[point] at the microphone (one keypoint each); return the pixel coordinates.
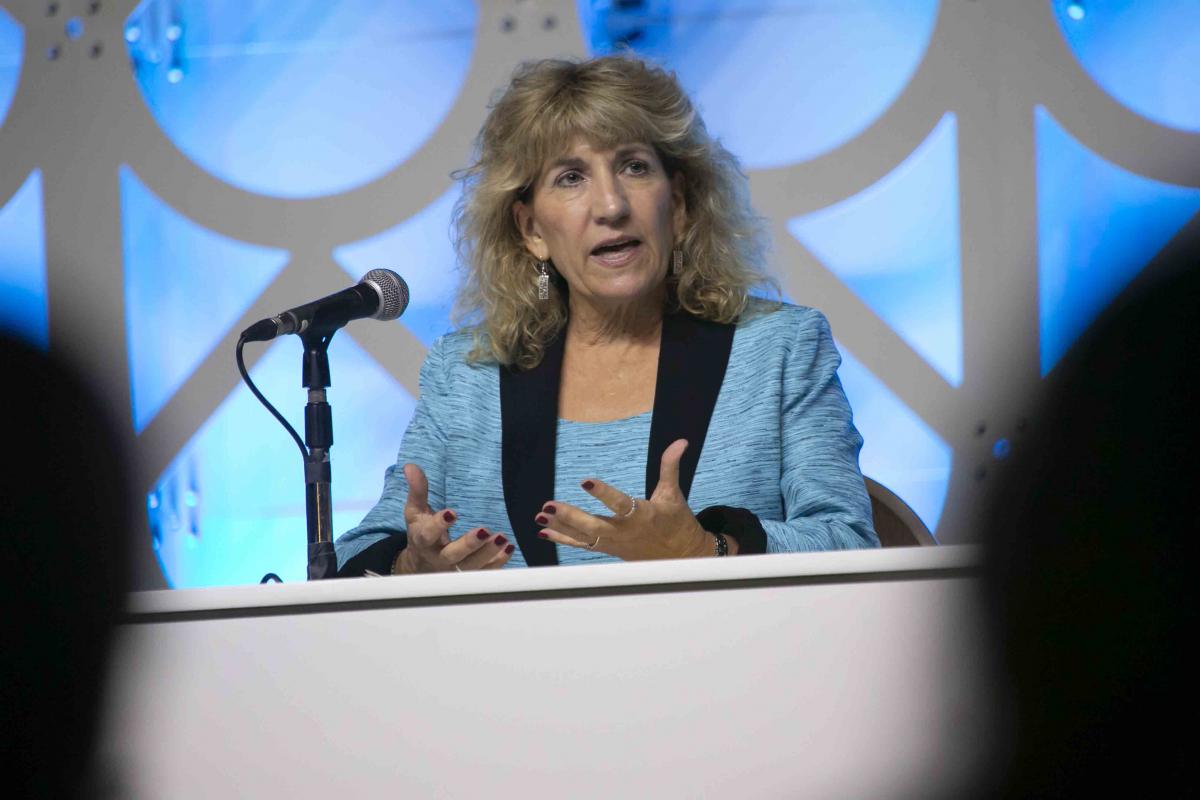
(381, 294)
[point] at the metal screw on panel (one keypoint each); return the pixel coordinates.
(508, 24)
(51, 9)
(53, 52)
(549, 22)
(94, 7)
(980, 428)
(97, 49)
(980, 473)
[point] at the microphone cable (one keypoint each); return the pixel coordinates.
(241, 363)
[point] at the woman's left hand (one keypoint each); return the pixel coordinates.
(661, 527)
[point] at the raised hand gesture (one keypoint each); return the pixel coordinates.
(659, 527)
(429, 546)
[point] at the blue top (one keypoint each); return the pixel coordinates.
(781, 443)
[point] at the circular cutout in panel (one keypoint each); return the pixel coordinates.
(12, 50)
(1144, 54)
(778, 81)
(300, 99)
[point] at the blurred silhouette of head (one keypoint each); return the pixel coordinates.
(1092, 549)
(64, 519)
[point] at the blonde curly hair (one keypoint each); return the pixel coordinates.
(608, 101)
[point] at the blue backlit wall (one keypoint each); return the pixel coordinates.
(300, 99)
(22, 242)
(12, 47)
(23, 264)
(168, 331)
(1098, 226)
(961, 187)
(1142, 52)
(748, 64)
(895, 244)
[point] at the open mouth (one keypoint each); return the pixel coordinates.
(616, 251)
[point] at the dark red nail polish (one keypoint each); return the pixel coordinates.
(483, 534)
(508, 551)
(588, 486)
(448, 516)
(543, 535)
(542, 519)
(550, 509)
(501, 541)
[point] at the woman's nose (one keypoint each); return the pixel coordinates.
(609, 203)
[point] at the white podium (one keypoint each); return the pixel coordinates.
(856, 674)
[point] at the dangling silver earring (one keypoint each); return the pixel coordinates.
(543, 280)
(676, 262)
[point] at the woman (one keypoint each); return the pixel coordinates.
(619, 373)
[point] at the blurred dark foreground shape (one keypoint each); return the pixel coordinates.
(1092, 546)
(64, 522)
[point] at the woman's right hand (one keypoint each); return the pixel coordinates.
(429, 547)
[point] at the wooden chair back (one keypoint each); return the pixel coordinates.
(896, 524)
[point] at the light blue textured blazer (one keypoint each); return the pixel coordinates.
(780, 443)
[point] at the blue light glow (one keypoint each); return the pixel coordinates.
(297, 99)
(12, 51)
(73, 28)
(896, 245)
(246, 477)
(420, 249)
(778, 81)
(184, 287)
(1143, 52)
(23, 264)
(899, 450)
(1098, 226)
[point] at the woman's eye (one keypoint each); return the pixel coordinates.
(638, 167)
(569, 178)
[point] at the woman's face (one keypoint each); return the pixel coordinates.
(608, 220)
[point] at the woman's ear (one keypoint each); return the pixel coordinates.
(679, 200)
(527, 227)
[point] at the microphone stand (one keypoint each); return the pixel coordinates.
(381, 294)
(318, 436)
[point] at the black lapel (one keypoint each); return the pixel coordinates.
(529, 418)
(691, 368)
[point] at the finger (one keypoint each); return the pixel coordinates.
(465, 545)
(430, 530)
(561, 538)
(442, 521)
(614, 499)
(501, 558)
(668, 471)
(572, 521)
(418, 491)
(492, 546)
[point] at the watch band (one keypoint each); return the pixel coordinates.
(722, 546)
(738, 524)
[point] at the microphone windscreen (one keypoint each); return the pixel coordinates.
(393, 293)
